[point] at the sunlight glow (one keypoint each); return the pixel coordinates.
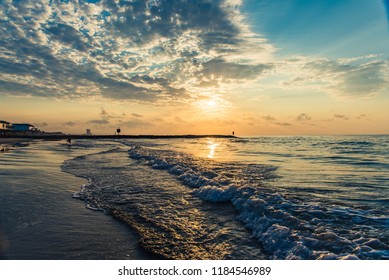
(212, 147)
(212, 105)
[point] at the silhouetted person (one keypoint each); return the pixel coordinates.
(69, 141)
(233, 133)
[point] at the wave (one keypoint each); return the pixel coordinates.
(286, 226)
(171, 222)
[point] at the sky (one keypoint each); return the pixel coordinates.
(256, 67)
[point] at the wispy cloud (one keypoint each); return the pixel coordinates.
(269, 118)
(283, 124)
(343, 117)
(70, 123)
(136, 123)
(99, 122)
(343, 78)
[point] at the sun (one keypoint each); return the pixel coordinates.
(211, 104)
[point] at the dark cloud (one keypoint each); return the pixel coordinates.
(137, 115)
(143, 21)
(219, 68)
(68, 35)
(303, 117)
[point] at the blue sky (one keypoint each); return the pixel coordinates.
(330, 28)
(200, 66)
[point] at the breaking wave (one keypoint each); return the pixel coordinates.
(286, 226)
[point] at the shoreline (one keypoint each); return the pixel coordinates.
(7, 144)
(31, 215)
(13, 138)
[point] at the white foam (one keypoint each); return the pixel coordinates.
(286, 229)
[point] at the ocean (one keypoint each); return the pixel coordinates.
(282, 197)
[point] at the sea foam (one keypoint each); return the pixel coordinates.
(285, 226)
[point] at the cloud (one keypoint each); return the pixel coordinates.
(283, 124)
(219, 68)
(68, 36)
(137, 115)
(71, 124)
(136, 123)
(343, 117)
(99, 122)
(103, 112)
(343, 78)
(268, 118)
(146, 51)
(303, 117)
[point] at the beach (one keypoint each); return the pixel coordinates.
(7, 143)
(41, 220)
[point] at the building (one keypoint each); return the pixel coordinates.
(4, 125)
(22, 127)
(17, 129)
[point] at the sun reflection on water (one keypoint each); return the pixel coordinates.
(212, 147)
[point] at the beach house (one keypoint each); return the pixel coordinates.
(9, 129)
(22, 127)
(4, 125)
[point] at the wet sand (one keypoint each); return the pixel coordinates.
(41, 220)
(11, 141)
(7, 143)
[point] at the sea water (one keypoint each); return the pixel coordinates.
(292, 197)
(286, 197)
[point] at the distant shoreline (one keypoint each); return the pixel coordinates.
(75, 136)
